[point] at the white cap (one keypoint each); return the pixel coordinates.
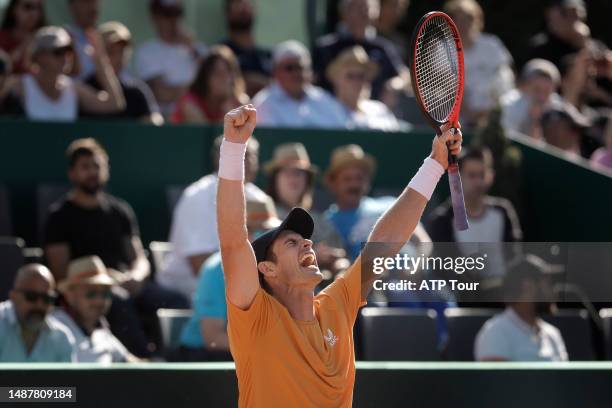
(291, 49)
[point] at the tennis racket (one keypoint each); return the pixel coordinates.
(437, 80)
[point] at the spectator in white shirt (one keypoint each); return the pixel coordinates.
(48, 93)
(169, 62)
(351, 75)
(88, 296)
(488, 64)
(193, 234)
(291, 100)
(84, 20)
(523, 107)
(519, 334)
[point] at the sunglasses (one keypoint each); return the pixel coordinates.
(32, 296)
(293, 67)
(92, 294)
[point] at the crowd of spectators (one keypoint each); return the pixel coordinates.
(355, 78)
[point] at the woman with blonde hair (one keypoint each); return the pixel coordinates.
(218, 88)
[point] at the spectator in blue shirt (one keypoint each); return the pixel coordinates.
(27, 332)
(204, 338)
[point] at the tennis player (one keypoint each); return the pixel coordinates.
(292, 348)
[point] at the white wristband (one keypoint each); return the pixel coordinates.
(231, 160)
(425, 180)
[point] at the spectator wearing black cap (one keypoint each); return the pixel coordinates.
(140, 104)
(357, 28)
(169, 62)
(523, 107)
(21, 20)
(48, 93)
(84, 15)
(519, 333)
(255, 61)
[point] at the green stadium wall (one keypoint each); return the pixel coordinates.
(564, 200)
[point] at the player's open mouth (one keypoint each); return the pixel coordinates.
(308, 259)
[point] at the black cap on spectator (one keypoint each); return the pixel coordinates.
(167, 7)
(298, 220)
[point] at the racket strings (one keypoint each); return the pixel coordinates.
(436, 66)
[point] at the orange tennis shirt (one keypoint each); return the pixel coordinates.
(282, 362)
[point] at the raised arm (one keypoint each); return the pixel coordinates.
(398, 223)
(239, 264)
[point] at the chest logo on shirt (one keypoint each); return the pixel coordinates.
(330, 338)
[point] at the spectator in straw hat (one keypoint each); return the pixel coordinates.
(140, 104)
(351, 75)
(291, 179)
(88, 296)
(354, 213)
(204, 338)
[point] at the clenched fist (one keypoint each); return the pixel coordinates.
(447, 141)
(239, 124)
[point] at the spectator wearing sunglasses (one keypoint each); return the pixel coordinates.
(291, 100)
(21, 20)
(351, 75)
(88, 297)
(48, 93)
(169, 62)
(28, 333)
(84, 15)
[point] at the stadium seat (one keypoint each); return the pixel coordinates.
(173, 194)
(171, 322)
(6, 225)
(47, 194)
(576, 331)
(463, 326)
(394, 334)
(11, 254)
(159, 252)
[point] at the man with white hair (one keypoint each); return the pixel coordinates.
(291, 100)
(27, 332)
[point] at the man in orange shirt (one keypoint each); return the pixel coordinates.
(292, 348)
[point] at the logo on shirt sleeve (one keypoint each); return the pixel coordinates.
(330, 338)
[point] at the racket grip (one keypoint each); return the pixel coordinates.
(456, 190)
